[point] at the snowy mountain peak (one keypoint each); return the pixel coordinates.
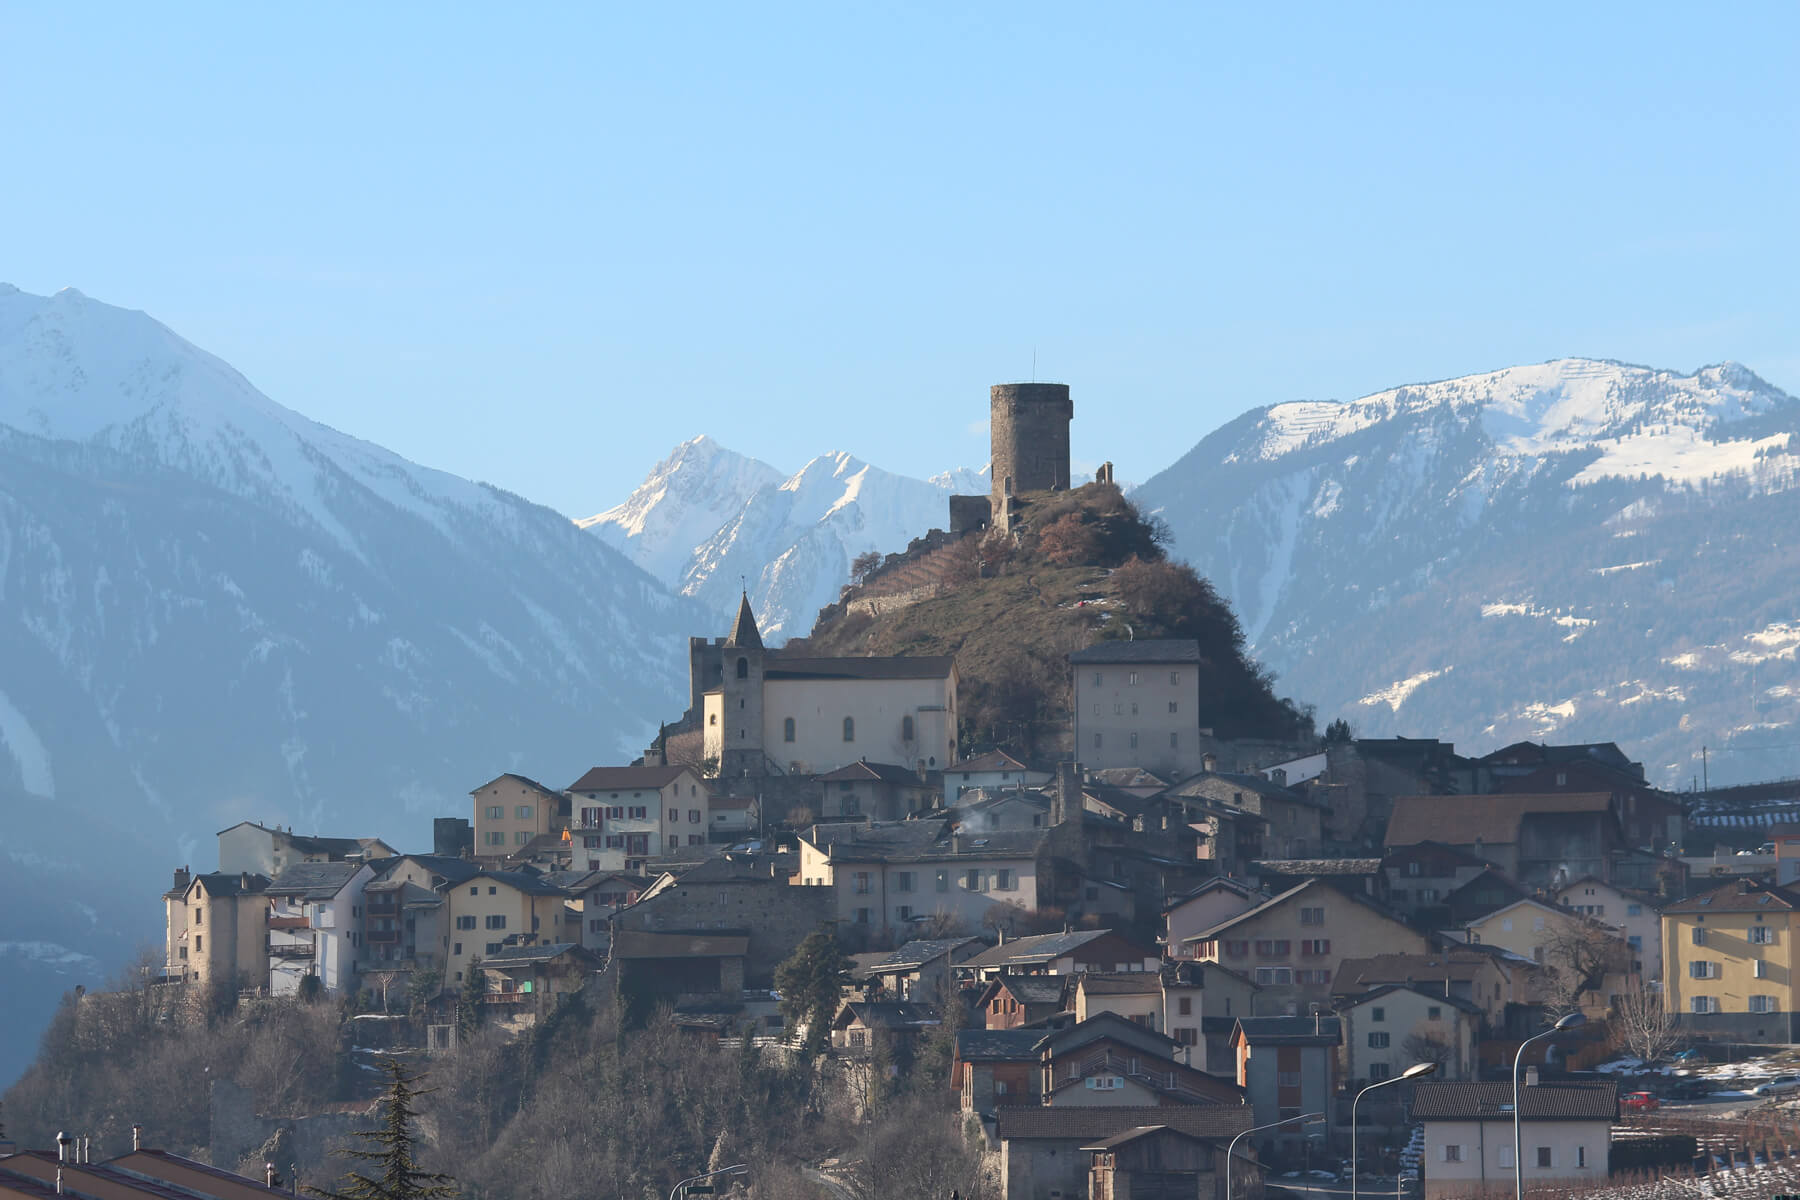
(705, 517)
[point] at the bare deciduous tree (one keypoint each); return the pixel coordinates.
(1643, 1028)
(1579, 953)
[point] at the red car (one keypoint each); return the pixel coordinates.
(1639, 1102)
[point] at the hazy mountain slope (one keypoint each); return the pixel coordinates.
(1528, 552)
(708, 521)
(213, 609)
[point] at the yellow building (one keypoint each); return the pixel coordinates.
(1566, 944)
(1728, 961)
(216, 926)
(511, 809)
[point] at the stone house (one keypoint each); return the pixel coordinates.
(1291, 944)
(1212, 902)
(1152, 1161)
(875, 791)
(1422, 876)
(859, 1023)
(525, 979)
(743, 894)
(402, 925)
(1567, 1134)
(675, 968)
(594, 899)
(1538, 839)
(1296, 821)
(216, 928)
(1137, 704)
(621, 817)
(1009, 1001)
(993, 1068)
(1041, 1155)
(1649, 818)
(315, 924)
(921, 971)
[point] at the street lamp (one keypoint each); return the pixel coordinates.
(1232, 1148)
(737, 1170)
(1416, 1071)
(1568, 1022)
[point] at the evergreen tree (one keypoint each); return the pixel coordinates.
(810, 982)
(398, 1177)
(472, 1001)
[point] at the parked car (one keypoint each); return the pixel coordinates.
(1781, 1085)
(1688, 1089)
(1639, 1102)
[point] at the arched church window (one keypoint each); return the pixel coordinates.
(787, 730)
(849, 729)
(743, 668)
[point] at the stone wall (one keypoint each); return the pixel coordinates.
(1029, 432)
(240, 1135)
(776, 914)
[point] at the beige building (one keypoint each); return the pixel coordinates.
(1291, 945)
(483, 911)
(623, 816)
(1137, 704)
(810, 716)
(1566, 1131)
(892, 877)
(1389, 1028)
(511, 810)
(1547, 935)
(1637, 915)
(270, 850)
(1214, 901)
(1731, 967)
(216, 927)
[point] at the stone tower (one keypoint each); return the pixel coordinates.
(741, 721)
(1029, 428)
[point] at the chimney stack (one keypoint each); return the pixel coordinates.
(63, 1142)
(1531, 1076)
(1209, 762)
(269, 1175)
(137, 1137)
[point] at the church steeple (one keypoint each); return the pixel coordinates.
(744, 634)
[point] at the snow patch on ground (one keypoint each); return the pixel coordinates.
(26, 749)
(1396, 695)
(50, 954)
(1635, 566)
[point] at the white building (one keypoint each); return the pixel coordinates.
(265, 850)
(1567, 1134)
(620, 817)
(993, 772)
(810, 716)
(1137, 704)
(315, 925)
(890, 877)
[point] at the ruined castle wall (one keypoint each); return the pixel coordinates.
(1030, 437)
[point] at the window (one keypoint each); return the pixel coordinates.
(1761, 935)
(1314, 977)
(199, 944)
(693, 816)
(496, 812)
(1236, 949)
(1105, 1083)
(1412, 868)
(712, 718)
(1634, 910)
(1701, 969)
(943, 881)
(1003, 880)
(615, 841)
(465, 922)
(523, 812)
(1506, 1158)
(615, 813)
(1451, 1153)
(1544, 1158)
(1098, 678)
(1762, 1004)
(474, 891)
(1274, 976)
(639, 812)
(849, 729)
(494, 837)
(674, 816)
(1174, 740)
(493, 947)
(972, 880)
(1312, 916)
(1172, 706)
(1762, 969)
(743, 668)
(1316, 946)
(1699, 936)
(1186, 1035)
(787, 729)
(1378, 1041)
(903, 881)
(590, 818)
(1134, 711)
(862, 916)
(1185, 1006)
(695, 839)
(1096, 741)
(906, 729)
(497, 921)
(1635, 942)
(1134, 739)
(1175, 679)
(1287, 1079)
(1703, 1004)
(1434, 1013)
(1581, 1156)
(1378, 1071)
(521, 836)
(904, 912)
(1378, 1014)
(1428, 895)
(862, 883)
(457, 949)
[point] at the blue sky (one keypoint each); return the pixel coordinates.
(541, 247)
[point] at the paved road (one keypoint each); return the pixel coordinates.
(1371, 1188)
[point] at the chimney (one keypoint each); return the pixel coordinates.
(183, 877)
(63, 1142)
(1531, 1076)
(1209, 762)
(1065, 803)
(137, 1137)
(269, 1175)
(59, 1190)
(1744, 887)
(1278, 776)
(244, 881)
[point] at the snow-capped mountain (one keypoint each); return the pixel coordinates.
(213, 609)
(1580, 550)
(708, 521)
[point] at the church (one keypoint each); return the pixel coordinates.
(765, 713)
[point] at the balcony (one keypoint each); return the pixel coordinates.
(377, 908)
(379, 937)
(289, 923)
(291, 950)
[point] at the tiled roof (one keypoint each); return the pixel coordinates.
(1196, 786)
(1356, 975)
(1032, 989)
(888, 1014)
(523, 956)
(1330, 892)
(901, 667)
(864, 769)
(1089, 1123)
(1742, 896)
(1565, 1101)
(614, 779)
(919, 952)
(1436, 996)
(1493, 819)
(527, 780)
(1399, 856)
(531, 885)
(1290, 1031)
(993, 760)
(1038, 948)
(1131, 983)
(313, 881)
(1127, 777)
(1129, 1136)
(920, 841)
(231, 883)
(744, 634)
(1315, 867)
(453, 870)
(998, 1045)
(1146, 650)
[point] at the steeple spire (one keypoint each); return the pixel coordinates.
(744, 634)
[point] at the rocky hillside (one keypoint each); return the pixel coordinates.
(212, 609)
(707, 521)
(1086, 567)
(1578, 550)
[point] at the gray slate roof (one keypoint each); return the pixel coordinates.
(1562, 1101)
(313, 881)
(1290, 1031)
(1147, 650)
(917, 953)
(998, 1045)
(1038, 948)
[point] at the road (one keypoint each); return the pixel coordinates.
(1371, 1187)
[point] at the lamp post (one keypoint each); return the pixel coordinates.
(1232, 1148)
(1570, 1021)
(1416, 1071)
(739, 1169)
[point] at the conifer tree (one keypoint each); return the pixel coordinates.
(810, 983)
(471, 1002)
(397, 1176)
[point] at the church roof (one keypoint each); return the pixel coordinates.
(744, 634)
